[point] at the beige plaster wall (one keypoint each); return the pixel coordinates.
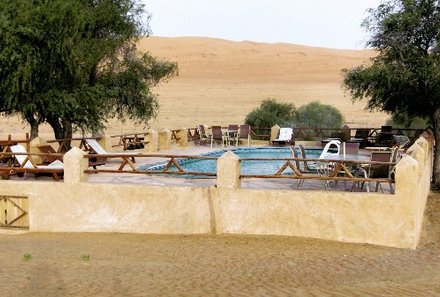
(384, 219)
(61, 207)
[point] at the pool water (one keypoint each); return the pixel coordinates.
(247, 166)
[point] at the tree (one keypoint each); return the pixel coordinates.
(272, 113)
(404, 77)
(74, 64)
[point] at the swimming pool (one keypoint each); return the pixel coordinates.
(247, 166)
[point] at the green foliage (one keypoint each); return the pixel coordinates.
(313, 115)
(402, 120)
(74, 64)
(85, 257)
(404, 77)
(317, 115)
(27, 256)
(272, 113)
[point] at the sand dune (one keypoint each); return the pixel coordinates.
(221, 81)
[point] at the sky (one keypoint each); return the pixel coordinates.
(322, 23)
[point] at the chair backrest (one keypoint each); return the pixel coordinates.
(95, 146)
(201, 131)
(245, 130)
(325, 151)
(233, 127)
(21, 158)
(362, 133)
(217, 132)
(285, 134)
(295, 155)
(351, 148)
(380, 170)
(386, 129)
(48, 149)
(386, 133)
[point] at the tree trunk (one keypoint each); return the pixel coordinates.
(436, 122)
(34, 125)
(34, 129)
(63, 129)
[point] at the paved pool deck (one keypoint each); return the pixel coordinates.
(173, 180)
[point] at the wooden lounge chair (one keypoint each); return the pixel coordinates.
(27, 165)
(51, 154)
(284, 137)
(50, 157)
(93, 146)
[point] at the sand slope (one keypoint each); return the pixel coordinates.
(221, 81)
(154, 265)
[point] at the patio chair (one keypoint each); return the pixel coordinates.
(217, 135)
(27, 165)
(351, 148)
(303, 167)
(402, 141)
(232, 134)
(378, 170)
(361, 136)
(203, 137)
(326, 150)
(385, 136)
(284, 137)
(308, 166)
(245, 133)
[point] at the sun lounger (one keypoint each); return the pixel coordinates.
(26, 164)
(284, 137)
(94, 147)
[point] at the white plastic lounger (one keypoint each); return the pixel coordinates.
(285, 136)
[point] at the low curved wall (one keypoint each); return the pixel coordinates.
(384, 219)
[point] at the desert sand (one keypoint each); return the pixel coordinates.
(87, 264)
(221, 81)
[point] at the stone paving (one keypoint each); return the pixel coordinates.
(172, 180)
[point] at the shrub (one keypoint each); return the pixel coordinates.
(317, 115)
(272, 113)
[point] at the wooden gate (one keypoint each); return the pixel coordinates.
(14, 212)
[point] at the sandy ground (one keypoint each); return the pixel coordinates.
(221, 81)
(151, 265)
